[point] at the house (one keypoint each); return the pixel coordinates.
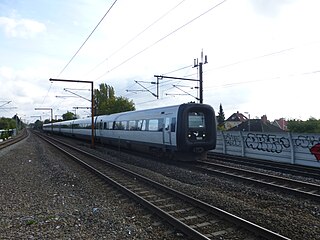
(281, 123)
(234, 120)
(257, 125)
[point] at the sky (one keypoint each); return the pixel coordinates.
(263, 55)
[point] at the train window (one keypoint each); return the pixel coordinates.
(173, 124)
(104, 125)
(125, 125)
(119, 126)
(196, 120)
(132, 125)
(153, 125)
(109, 125)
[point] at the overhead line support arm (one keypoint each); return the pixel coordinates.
(92, 103)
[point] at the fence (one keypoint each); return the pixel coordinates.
(302, 149)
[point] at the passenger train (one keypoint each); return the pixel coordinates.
(183, 132)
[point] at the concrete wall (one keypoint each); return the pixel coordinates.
(302, 149)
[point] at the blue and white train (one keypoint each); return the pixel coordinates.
(184, 132)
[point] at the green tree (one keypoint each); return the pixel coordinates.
(312, 125)
(220, 117)
(38, 124)
(7, 123)
(107, 103)
(68, 116)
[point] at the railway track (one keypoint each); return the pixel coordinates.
(298, 170)
(196, 219)
(14, 140)
(299, 188)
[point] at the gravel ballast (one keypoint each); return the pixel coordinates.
(49, 196)
(44, 195)
(289, 215)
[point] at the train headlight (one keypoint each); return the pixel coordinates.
(189, 135)
(204, 135)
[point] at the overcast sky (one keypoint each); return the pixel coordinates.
(263, 55)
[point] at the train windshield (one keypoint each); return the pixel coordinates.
(196, 120)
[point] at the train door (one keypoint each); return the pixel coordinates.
(167, 132)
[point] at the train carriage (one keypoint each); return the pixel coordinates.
(185, 131)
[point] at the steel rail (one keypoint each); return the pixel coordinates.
(14, 140)
(303, 171)
(300, 188)
(188, 230)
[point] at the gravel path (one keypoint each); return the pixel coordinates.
(46, 196)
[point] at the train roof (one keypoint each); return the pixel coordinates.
(135, 114)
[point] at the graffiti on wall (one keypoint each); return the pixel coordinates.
(232, 140)
(310, 142)
(306, 141)
(266, 142)
(315, 150)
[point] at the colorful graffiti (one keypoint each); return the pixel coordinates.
(266, 142)
(310, 142)
(315, 150)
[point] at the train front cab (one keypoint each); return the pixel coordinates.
(196, 131)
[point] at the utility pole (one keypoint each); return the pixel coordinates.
(92, 103)
(36, 117)
(45, 108)
(199, 64)
(51, 115)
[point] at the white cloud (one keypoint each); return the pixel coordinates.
(21, 28)
(270, 8)
(6, 72)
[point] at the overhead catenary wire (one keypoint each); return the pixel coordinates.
(161, 39)
(87, 38)
(79, 49)
(179, 69)
(136, 36)
(265, 79)
(163, 82)
(117, 49)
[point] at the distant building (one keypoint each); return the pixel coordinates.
(234, 120)
(281, 123)
(257, 125)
